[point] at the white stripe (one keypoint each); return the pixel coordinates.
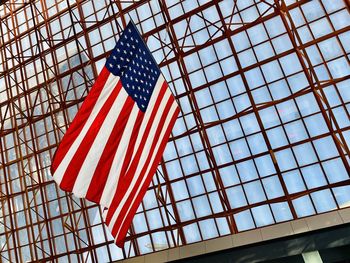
(114, 173)
(145, 152)
(111, 185)
(92, 159)
(148, 113)
(166, 124)
(105, 93)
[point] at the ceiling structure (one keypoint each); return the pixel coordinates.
(263, 136)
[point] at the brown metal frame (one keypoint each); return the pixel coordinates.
(42, 94)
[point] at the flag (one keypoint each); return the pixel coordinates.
(112, 149)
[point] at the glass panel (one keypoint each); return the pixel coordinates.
(259, 130)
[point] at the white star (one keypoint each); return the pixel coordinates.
(135, 95)
(132, 39)
(121, 43)
(118, 66)
(144, 52)
(128, 45)
(133, 46)
(133, 87)
(111, 65)
(138, 88)
(118, 50)
(127, 60)
(124, 51)
(136, 80)
(129, 30)
(137, 41)
(114, 57)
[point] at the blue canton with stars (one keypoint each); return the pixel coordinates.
(133, 63)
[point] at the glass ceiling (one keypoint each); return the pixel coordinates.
(263, 136)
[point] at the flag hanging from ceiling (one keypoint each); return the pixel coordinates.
(112, 149)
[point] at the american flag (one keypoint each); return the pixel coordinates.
(112, 149)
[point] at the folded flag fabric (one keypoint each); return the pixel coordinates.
(112, 149)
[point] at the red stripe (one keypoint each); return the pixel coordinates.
(133, 166)
(120, 239)
(80, 119)
(131, 148)
(74, 166)
(128, 175)
(101, 173)
(153, 144)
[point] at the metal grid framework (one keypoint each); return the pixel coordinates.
(263, 136)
